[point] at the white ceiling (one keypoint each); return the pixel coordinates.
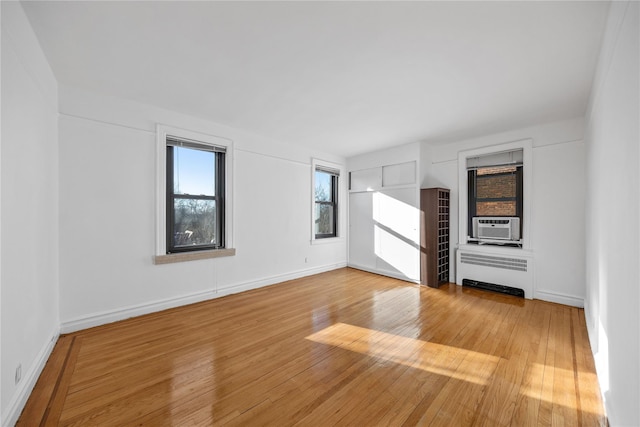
(344, 77)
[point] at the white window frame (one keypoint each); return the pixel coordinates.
(162, 132)
(341, 202)
(527, 168)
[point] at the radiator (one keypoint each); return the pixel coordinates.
(502, 266)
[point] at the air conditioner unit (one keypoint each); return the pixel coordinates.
(496, 228)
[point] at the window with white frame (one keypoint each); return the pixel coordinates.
(194, 194)
(497, 194)
(325, 209)
(495, 187)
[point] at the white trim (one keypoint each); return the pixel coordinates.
(382, 189)
(328, 240)
(20, 397)
(162, 131)
(340, 232)
(559, 298)
(383, 273)
(241, 287)
(527, 183)
(193, 256)
(110, 316)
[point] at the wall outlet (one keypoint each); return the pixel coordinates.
(306, 260)
(18, 373)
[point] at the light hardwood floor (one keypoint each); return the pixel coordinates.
(340, 348)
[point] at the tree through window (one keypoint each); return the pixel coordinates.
(326, 203)
(195, 196)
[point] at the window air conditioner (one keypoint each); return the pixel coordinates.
(496, 228)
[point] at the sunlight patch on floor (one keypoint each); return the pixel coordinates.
(435, 358)
(554, 385)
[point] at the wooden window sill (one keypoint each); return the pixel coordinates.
(192, 256)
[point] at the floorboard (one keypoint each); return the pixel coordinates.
(344, 347)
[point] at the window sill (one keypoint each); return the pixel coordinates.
(192, 256)
(327, 240)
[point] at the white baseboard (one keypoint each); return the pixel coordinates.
(559, 298)
(19, 399)
(246, 286)
(383, 273)
(110, 316)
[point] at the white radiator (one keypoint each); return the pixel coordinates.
(502, 266)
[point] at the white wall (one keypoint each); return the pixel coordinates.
(29, 213)
(612, 223)
(384, 217)
(107, 202)
(557, 209)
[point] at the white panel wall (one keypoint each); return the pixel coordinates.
(384, 212)
(557, 217)
(557, 222)
(612, 223)
(29, 218)
(107, 190)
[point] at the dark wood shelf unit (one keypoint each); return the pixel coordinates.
(434, 236)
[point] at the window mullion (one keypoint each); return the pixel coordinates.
(193, 197)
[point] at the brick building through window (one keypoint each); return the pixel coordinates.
(495, 186)
(496, 191)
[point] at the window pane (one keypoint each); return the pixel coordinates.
(496, 186)
(324, 219)
(507, 208)
(194, 222)
(324, 191)
(193, 171)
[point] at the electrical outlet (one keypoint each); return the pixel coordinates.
(18, 373)
(306, 260)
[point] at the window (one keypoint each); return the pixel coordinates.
(194, 215)
(326, 202)
(495, 186)
(495, 191)
(491, 179)
(195, 196)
